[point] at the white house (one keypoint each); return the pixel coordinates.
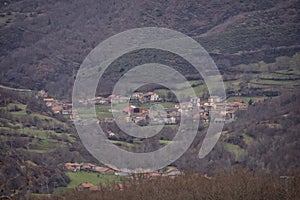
(214, 99)
(154, 97)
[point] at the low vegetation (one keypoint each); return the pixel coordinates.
(235, 184)
(94, 178)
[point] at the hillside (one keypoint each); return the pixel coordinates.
(266, 136)
(44, 43)
(34, 144)
(256, 46)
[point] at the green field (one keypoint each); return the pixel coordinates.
(96, 179)
(40, 128)
(12, 106)
(247, 139)
(164, 142)
(104, 115)
(283, 73)
(245, 99)
(237, 151)
(122, 143)
(82, 177)
(148, 105)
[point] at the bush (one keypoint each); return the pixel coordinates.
(236, 184)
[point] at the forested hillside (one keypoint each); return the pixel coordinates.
(44, 43)
(256, 47)
(34, 144)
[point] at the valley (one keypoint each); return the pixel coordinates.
(255, 46)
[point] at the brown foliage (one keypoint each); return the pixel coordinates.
(236, 184)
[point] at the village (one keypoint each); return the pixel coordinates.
(139, 113)
(143, 110)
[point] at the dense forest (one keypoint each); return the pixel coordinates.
(44, 43)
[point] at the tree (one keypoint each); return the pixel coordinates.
(250, 102)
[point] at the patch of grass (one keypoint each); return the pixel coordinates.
(137, 140)
(102, 111)
(103, 115)
(164, 142)
(40, 195)
(172, 126)
(5, 17)
(149, 104)
(102, 108)
(236, 150)
(162, 92)
(195, 82)
(275, 82)
(283, 73)
(31, 163)
(61, 190)
(12, 106)
(122, 143)
(71, 138)
(287, 72)
(279, 76)
(247, 139)
(97, 179)
(45, 145)
(46, 118)
(38, 151)
(167, 104)
(37, 133)
(233, 85)
(199, 90)
(245, 99)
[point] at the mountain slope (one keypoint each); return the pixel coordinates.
(44, 42)
(34, 144)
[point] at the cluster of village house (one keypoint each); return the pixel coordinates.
(106, 169)
(65, 107)
(167, 116)
(58, 107)
(172, 115)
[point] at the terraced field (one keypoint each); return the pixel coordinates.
(258, 77)
(43, 132)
